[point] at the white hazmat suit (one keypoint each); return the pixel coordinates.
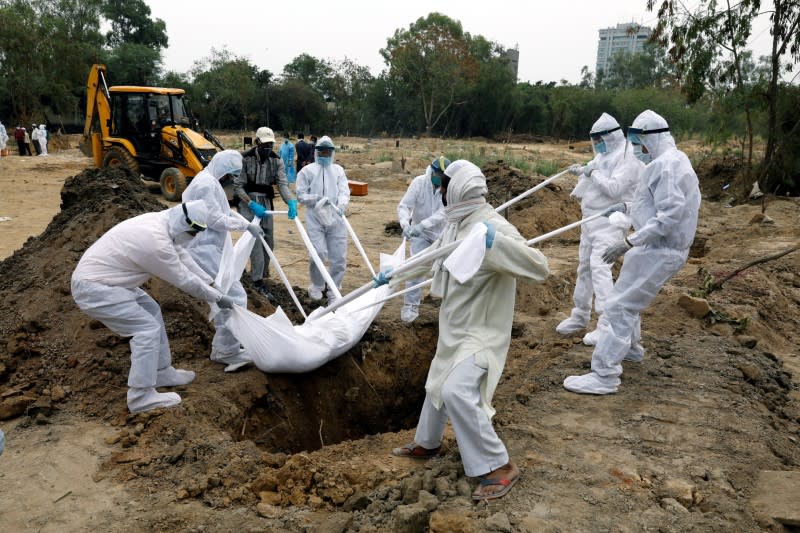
(43, 139)
(474, 325)
(420, 207)
(322, 187)
(106, 285)
(3, 136)
(207, 247)
(608, 179)
(664, 213)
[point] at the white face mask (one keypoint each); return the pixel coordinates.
(640, 155)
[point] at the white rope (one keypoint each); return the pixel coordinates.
(358, 245)
(531, 191)
(282, 275)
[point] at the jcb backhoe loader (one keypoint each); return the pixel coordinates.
(148, 130)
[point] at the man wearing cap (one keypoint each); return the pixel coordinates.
(261, 170)
(421, 215)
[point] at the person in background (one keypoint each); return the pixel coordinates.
(3, 137)
(322, 187)
(664, 213)
(19, 136)
(106, 285)
(43, 139)
(262, 169)
(287, 156)
(207, 248)
(421, 215)
(305, 153)
(608, 179)
(475, 319)
(35, 139)
(27, 141)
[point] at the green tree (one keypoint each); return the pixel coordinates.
(224, 90)
(135, 42)
(433, 58)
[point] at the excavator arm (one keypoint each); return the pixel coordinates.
(98, 112)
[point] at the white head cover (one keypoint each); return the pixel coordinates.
(466, 193)
(614, 140)
(658, 142)
(225, 162)
(196, 211)
(326, 142)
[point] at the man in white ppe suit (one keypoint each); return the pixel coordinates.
(421, 215)
(3, 136)
(606, 180)
(664, 213)
(322, 187)
(43, 139)
(207, 247)
(474, 330)
(106, 285)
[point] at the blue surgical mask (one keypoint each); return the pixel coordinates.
(640, 155)
(600, 147)
(436, 180)
(324, 161)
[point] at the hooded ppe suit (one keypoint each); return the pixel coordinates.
(3, 136)
(106, 285)
(207, 247)
(421, 204)
(287, 156)
(43, 138)
(612, 179)
(474, 325)
(322, 188)
(664, 212)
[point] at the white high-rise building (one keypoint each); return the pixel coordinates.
(628, 37)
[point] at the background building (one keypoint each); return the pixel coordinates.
(628, 37)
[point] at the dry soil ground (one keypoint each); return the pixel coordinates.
(683, 446)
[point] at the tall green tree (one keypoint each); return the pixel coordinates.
(135, 42)
(224, 90)
(433, 57)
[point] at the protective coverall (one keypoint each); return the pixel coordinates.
(207, 247)
(3, 136)
(322, 188)
(421, 204)
(287, 156)
(262, 169)
(474, 325)
(106, 285)
(664, 213)
(608, 179)
(43, 138)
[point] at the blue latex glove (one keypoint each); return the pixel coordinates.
(620, 207)
(415, 230)
(257, 209)
(490, 232)
(292, 209)
(406, 230)
(381, 278)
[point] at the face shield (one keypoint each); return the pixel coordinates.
(599, 140)
(643, 143)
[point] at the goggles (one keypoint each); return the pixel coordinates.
(597, 136)
(195, 226)
(635, 134)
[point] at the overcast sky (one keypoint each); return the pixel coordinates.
(555, 38)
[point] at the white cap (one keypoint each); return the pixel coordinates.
(265, 135)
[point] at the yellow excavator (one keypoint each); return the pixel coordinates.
(146, 129)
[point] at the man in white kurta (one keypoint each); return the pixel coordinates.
(474, 333)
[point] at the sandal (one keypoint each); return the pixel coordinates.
(415, 451)
(505, 483)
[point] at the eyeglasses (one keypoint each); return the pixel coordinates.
(597, 136)
(196, 226)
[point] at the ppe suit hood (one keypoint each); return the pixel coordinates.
(614, 140)
(656, 143)
(467, 182)
(225, 162)
(197, 212)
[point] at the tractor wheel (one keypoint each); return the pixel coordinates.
(116, 157)
(173, 182)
